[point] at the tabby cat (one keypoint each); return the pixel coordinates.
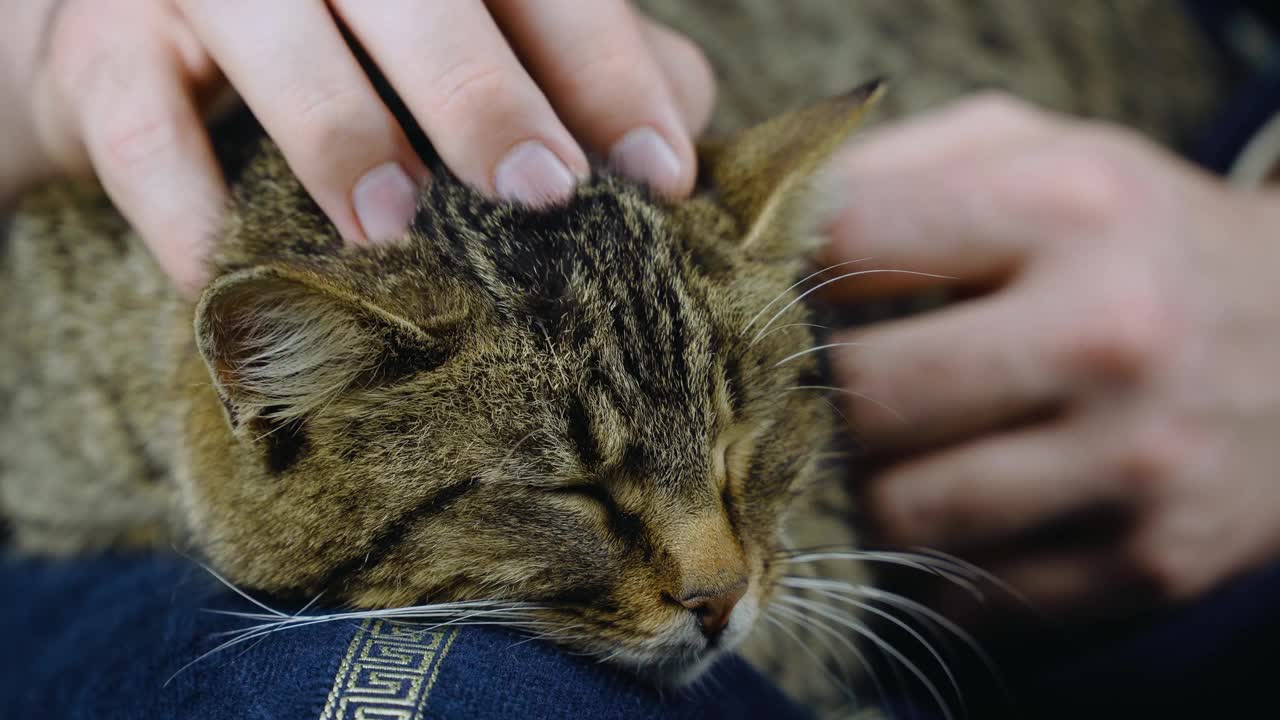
(606, 407)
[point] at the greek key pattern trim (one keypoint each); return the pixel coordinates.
(388, 672)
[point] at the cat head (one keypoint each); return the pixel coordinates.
(601, 409)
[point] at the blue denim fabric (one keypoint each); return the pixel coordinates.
(99, 638)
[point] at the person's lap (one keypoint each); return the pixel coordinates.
(108, 638)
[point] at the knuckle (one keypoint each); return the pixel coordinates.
(1089, 182)
(137, 143)
(331, 118)
(608, 77)
(470, 88)
(1124, 334)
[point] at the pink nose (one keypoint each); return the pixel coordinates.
(713, 611)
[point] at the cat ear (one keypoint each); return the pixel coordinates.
(280, 344)
(763, 173)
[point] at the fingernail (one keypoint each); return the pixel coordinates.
(385, 199)
(531, 174)
(643, 155)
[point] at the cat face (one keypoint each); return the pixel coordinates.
(600, 410)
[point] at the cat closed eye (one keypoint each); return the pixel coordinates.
(588, 491)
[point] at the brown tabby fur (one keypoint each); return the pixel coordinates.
(560, 406)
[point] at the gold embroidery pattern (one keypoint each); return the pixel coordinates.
(388, 672)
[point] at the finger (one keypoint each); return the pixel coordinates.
(996, 488)
(149, 148)
(1079, 582)
(597, 70)
(961, 132)
(295, 71)
(934, 196)
(687, 72)
(458, 76)
(949, 374)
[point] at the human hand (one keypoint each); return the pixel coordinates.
(1122, 353)
(118, 86)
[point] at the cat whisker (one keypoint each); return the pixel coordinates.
(827, 634)
(310, 603)
(238, 591)
(818, 348)
(980, 573)
(840, 637)
(449, 619)
(556, 634)
(354, 614)
(834, 408)
(797, 284)
(800, 583)
(864, 631)
(280, 622)
(253, 645)
(921, 612)
(838, 278)
(242, 636)
(449, 608)
(822, 666)
(923, 564)
(780, 328)
(269, 628)
(934, 561)
(802, 617)
(853, 394)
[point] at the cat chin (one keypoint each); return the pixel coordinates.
(670, 669)
(682, 670)
(687, 673)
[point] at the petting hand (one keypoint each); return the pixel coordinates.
(502, 88)
(1122, 351)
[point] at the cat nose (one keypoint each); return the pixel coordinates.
(713, 609)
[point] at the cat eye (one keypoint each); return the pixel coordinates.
(625, 525)
(589, 491)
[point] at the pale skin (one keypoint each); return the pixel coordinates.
(120, 87)
(1122, 349)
